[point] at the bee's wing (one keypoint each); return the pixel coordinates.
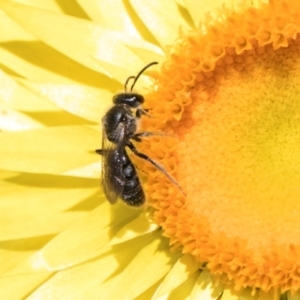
(113, 179)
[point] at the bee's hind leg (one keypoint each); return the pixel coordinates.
(155, 164)
(138, 136)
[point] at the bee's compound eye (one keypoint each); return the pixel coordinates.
(139, 98)
(118, 98)
(132, 99)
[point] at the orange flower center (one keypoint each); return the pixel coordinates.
(231, 96)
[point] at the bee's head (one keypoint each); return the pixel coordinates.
(132, 99)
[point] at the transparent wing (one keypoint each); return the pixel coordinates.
(113, 179)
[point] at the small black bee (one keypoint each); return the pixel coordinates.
(119, 125)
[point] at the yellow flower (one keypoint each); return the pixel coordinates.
(226, 97)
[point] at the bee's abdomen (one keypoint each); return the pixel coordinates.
(133, 193)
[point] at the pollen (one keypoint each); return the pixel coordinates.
(227, 105)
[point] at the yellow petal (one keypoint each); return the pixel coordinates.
(89, 171)
(22, 55)
(199, 9)
(146, 53)
(248, 294)
(13, 31)
(184, 290)
(295, 296)
(83, 240)
(179, 273)
(111, 14)
(141, 272)
(205, 288)
(14, 95)
(13, 120)
(181, 2)
(23, 279)
(50, 5)
(147, 294)
(11, 252)
(139, 226)
(49, 150)
(91, 279)
(21, 200)
(86, 102)
(69, 8)
(162, 18)
(38, 61)
(230, 294)
(81, 40)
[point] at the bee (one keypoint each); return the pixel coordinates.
(119, 126)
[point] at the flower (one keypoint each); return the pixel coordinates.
(226, 102)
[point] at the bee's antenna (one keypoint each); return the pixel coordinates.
(139, 74)
(126, 82)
